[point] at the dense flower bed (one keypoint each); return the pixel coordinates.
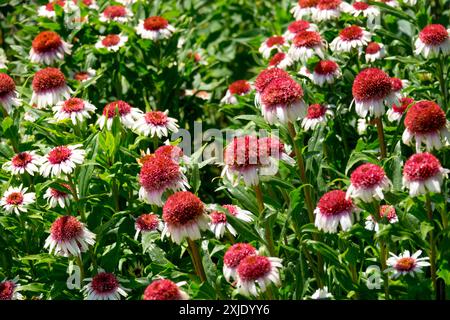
(224, 150)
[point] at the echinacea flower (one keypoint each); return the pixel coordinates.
(398, 85)
(74, 109)
(371, 89)
(117, 13)
(57, 197)
(163, 289)
(303, 8)
(272, 43)
(387, 214)
(127, 115)
(257, 271)
(147, 222)
(404, 263)
(9, 290)
(184, 216)
(27, 161)
(49, 87)
(333, 209)
(270, 149)
(219, 224)
(395, 113)
(305, 45)
(91, 4)
(423, 173)
(155, 28)
(433, 39)
(280, 60)
(264, 78)
(350, 38)
(158, 175)
(374, 51)
(327, 10)
(8, 93)
(48, 10)
(238, 212)
(426, 123)
(241, 158)
(368, 182)
(316, 115)
(390, 3)
(69, 237)
(156, 123)
(48, 47)
(173, 152)
(16, 199)
(237, 88)
(322, 294)
(62, 159)
(233, 256)
(298, 26)
(282, 101)
(361, 8)
(111, 42)
(104, 286)
(325, 71)
(83, 76)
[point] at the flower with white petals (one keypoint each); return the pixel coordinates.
(322, 294)
(404, 264)
(111, 42)
(368, 182)
(423, 173)
(305, 45)
(74, 109)
(104, 286)
(257, 271)
(48, 47)
(117, 13)
(272, 43)
(127, 115)
(156, 123)
(303, 8)
(316, 114)
(433, 39)
(62, 159)
(57, 197)
(27, 161)
(350, 38)
(16, 199)
(155, 28)
(374, 51)
(327, 10)
(69, 237)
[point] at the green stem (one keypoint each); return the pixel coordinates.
(383, 253)
(442, 81)
(79, 262)
(380, 131)
(197, 260)
(432, 243)
(302, 171)
(75, 197)
(267, 228)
